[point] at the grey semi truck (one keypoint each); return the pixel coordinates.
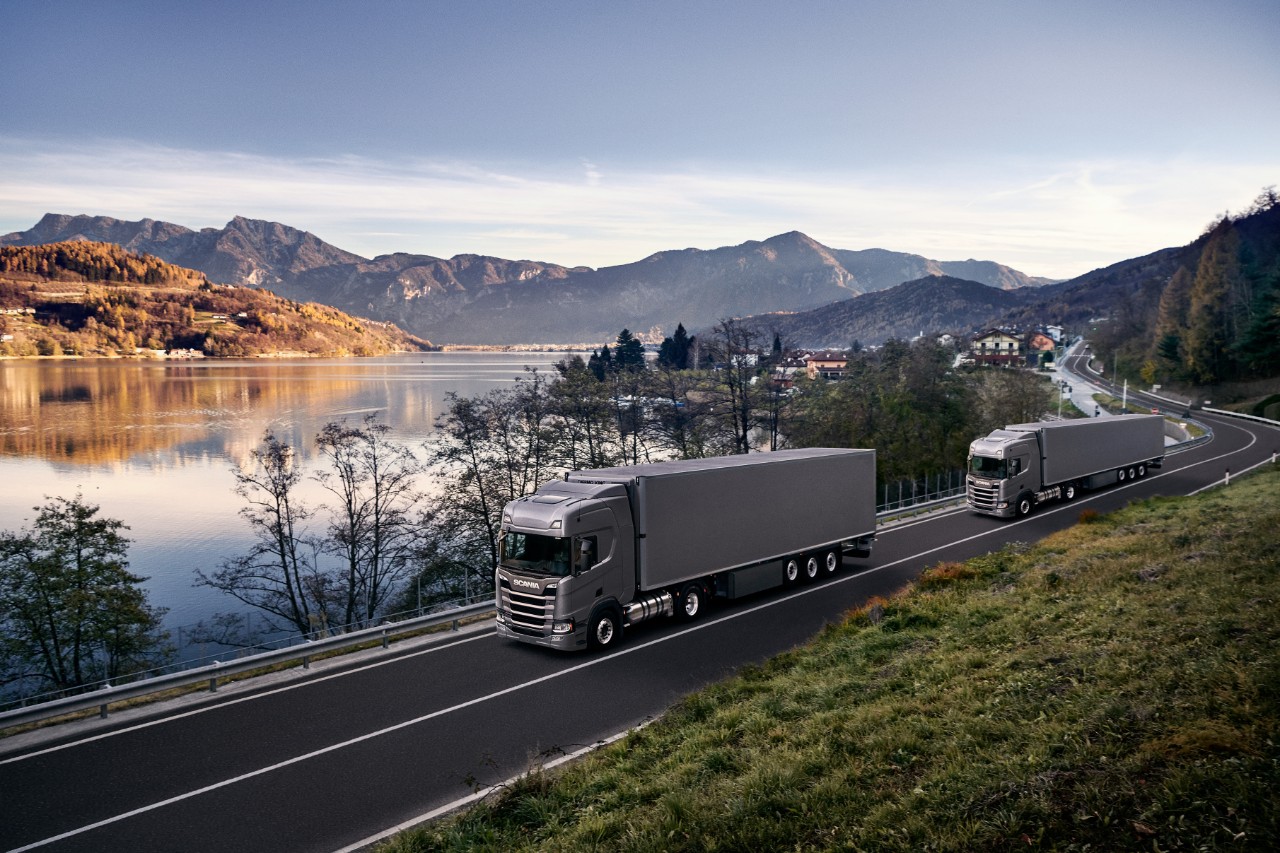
(1015, 468)
(584, 558)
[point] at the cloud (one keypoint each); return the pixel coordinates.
(1053, 219)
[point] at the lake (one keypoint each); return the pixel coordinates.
(155, 443)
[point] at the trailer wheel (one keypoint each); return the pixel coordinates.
(1120, 475)
(1142, 470)
(605, 630)
(1024, 506)
(811, 568)
(1132, 473)
(831, 562)
(791, 573)
(1069, 492)
(692, 600)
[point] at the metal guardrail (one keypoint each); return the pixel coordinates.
(211, 673)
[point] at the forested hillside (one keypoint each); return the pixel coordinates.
(1216, 317)
(95, 299)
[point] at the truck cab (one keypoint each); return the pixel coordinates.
(1004, 473)
(564, 552)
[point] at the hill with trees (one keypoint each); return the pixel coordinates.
(96, 299)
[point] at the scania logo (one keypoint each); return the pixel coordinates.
(526, 584)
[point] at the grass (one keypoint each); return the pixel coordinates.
(1113, 688)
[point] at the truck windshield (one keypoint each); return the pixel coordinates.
(985, 466)
(541, 555)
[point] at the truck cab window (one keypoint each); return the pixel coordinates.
(541, 555)
(585, 553)
(985, 466)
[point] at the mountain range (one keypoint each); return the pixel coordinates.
(476, 299)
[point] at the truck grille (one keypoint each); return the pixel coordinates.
(528, 612)
(983, 496)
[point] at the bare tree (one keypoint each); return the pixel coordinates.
(371, 530)
(740, 393)
(280, 574)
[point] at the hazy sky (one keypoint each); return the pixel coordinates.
(1055, 137)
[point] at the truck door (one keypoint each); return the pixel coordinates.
(1020, 473)
(598, 565)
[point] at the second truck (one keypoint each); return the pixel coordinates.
(587, 557)
(1015, 468)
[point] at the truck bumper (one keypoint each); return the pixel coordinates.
(1006, 512)
(564, 642)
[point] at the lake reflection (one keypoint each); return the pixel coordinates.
(154, 443)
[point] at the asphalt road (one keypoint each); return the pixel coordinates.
(330, 759)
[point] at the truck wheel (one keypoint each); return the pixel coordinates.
(791, 573)
(605, 630)
(1069, 492)
(1024, 506)
(811, 568)
(692, 601)
(831, 562)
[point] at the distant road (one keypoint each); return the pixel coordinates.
(325, 760)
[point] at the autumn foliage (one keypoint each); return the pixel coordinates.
(95, 299)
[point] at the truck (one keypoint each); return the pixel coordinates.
(587, 557)
(1014, 469)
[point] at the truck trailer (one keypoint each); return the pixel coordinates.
(1020, 466)
(587, 557)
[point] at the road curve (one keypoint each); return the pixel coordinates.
(326, 760)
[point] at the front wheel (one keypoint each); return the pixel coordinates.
(1024, 506)
(605, 630)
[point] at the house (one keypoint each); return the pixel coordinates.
(829, 364)
(997, 347)
(785, 372)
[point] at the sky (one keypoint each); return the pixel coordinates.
(1054, 137)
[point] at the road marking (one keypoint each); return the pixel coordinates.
(257, 695)
(626, 650)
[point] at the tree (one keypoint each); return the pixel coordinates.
(674, 351)
(371, 529)
(628, 352)
(740, 394)
(71, 612)
(279, 575)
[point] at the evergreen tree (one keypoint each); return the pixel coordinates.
(674, 352)
(629, 352)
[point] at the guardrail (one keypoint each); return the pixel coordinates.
(211, 673)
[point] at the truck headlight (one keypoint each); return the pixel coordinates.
(565, 627)
(500, 616)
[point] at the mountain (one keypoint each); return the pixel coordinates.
(485, 300)
(932, 304)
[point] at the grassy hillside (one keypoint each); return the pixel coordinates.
(95, 299)
(1114, 688)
